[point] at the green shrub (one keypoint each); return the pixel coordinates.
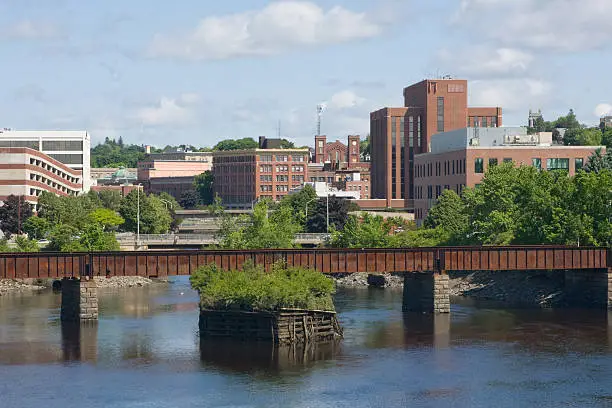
(253, 289)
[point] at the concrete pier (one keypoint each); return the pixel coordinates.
(79, 299)
(426, 292)
(589, 288)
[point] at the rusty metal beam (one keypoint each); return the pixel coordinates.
(327, 260)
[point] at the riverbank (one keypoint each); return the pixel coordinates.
(32, 285)
(515, 288)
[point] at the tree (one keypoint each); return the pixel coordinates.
(260, 229)
(299, 202)
(338, 215)
(367, 231)
(109, 220)
(116, 154)
(364, 147)
(14, 212)
(598, 162)
(26, 245)
(606, 138)
(61, 238)
(589, 137)
(110, 199)
(568, 121)
(203, 184)
(189, 199)
(67, 210)
(239, 144)
(155, 218)
(37, 227)
(286, 144)
(450, 215)
(94, 238)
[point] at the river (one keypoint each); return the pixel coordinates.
(145, 352)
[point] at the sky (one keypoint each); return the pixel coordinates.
(196, 72)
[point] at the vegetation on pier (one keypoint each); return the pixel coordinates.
(254, 289)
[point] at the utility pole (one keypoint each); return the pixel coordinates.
(327, 204)
(320, 108)
(138, 216)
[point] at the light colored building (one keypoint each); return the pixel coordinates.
(461, 157)
(323, 190)
(172, 172)
(71, 148)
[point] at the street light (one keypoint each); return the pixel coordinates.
(138, 215)
(310, 201)
(327, 204)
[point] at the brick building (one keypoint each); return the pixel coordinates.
(397, 134)
(241, 177)
(337, 153)
(460, 158)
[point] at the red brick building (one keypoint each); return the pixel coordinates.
(397, 134)
(337, 153)
(242, 177)
(461, 158)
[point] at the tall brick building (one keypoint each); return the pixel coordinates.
(241, 177)
(397, 134)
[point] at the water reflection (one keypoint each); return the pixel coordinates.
(264, 357)
(79, 342)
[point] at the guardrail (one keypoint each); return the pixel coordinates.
(203, 239)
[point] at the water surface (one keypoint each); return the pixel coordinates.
(145, 352)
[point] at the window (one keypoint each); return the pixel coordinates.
(453, 167)
(429, 192)
(478, 166)
(492, 162)
(297, 158)
(537, 163)
(557, 164)
(419, 131)
(68, 158)
(62, 145)
(32, 144)
(507, 160)
(494, 121)
(282, 158)
(578, 163)
(265, 158)
(438, 191)
(440, 114)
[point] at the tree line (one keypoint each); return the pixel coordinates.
(576, 133)
(84, 223)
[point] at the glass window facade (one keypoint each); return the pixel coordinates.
(440, 114)
(492, 162)
(578, 164)
(32, 144)
(62, 145)
(537, 163)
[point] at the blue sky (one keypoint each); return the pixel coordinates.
(194, 71)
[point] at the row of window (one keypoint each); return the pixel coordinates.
(271, 197)
(482, 121)
(551, 164)
(282, 158)
(267, 168)
(433, 192)
(446, 168)
(51, 183)
(54, 170)
(280, 188)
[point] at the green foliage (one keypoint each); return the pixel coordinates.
(4, 246)
(301, 203)
(70, 210)
(203, 184)
(521, 205)
(598, 162)
(581, 136)
(37, 227)
(606, 138)
(14, 212)
(253, 289)
(366, 232)
(110, 199)
(171, 202)
(450, 215)
(116, 154)
(155, 218)
(189, 199)
(364, 147)
(239, 144)
(107, 219)
(259, 230)
(338, 215)
(26, 245)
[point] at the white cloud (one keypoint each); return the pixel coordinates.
(278, 27)
(486, 61)
(345, 99)
(510, 94)
(556, 25)
(30, 30)
(603, 109)
(169, 111)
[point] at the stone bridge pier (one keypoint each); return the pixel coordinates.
(79, 299)
(426, 292)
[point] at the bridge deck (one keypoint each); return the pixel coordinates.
(168, 263)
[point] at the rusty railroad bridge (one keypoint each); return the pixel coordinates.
(426, 283)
